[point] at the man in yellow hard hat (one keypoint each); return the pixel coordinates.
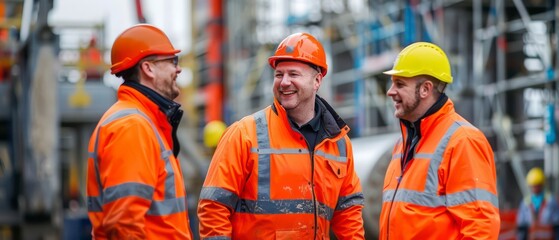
(538, 214)
(441, 182)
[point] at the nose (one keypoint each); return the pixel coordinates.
(285, 81)
(391, 92)
(179, 69)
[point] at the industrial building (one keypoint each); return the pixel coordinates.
(504, 56)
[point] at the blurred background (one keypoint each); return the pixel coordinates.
(55, 85)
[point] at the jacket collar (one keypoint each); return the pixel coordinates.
(331, 122)
(169, 108)
(442, 107)
(433, 109)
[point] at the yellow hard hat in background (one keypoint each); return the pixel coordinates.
(535, 177)
(422, 58)
(212, 133)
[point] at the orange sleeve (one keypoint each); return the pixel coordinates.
(347, 222)
(471, 186)
(224, 183)
(128, 171)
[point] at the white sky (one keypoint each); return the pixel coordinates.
(172, 16)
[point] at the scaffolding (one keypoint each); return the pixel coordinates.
(503, 56)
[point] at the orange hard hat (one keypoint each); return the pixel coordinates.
(137, 42)
(300, 47)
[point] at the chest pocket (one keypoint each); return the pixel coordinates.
(338, 168)
(336, 163)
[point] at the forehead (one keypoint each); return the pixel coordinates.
(404, 80)
(292, 65)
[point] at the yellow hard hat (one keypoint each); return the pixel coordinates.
(535, 177)
(422, 58)
(212, 133)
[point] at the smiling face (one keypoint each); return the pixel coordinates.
(164, 71)
(405, 93)
(295, 86)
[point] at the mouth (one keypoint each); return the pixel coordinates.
(288, 92)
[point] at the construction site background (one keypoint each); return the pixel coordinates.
(55, 85)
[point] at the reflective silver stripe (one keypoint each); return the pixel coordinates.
(432, 182)
(288, 206)
(342, 158)
(217, 238)
(280, 151)
(94, 155)
(263, 159)
(94, 203)
(127, 190)
(429, 197)
(471, 195)
(396, 156)
(167, 206)
(450, 200)
(350, 200)
(415, 197)
(220, 195)
(342, 149)
(422, 155)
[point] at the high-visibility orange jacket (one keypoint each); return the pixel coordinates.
(264, 183)
(542, 223)
(447, 190)
(135, 188)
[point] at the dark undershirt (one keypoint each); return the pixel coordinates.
(310, 129)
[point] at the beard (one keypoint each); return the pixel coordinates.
(409, 108)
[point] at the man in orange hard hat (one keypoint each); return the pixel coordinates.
(285, 172)
(441, 182)
(135, 187)
(538, 214)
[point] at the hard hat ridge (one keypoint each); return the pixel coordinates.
(137, 42)
(422, 58)
(301, 47)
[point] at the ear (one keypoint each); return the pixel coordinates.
(426, 89)
(147, 69)
(317, 81)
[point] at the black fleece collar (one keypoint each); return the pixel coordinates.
(170, 108)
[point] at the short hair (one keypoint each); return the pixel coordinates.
(438, 85)
(132, 74)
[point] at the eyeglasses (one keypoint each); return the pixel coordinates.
(173, 59)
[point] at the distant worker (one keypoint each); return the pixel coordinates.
(441, 182)
(92, 60)
(135, 187)
(285, 172)
(212, 133)
(538, 214)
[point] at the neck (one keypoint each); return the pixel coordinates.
(300, 117)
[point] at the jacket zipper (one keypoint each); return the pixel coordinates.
(403, 169)
(315, 208)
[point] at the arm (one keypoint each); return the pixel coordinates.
(128, 176)
(223, 184)
(347, 222)
(470, 185)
